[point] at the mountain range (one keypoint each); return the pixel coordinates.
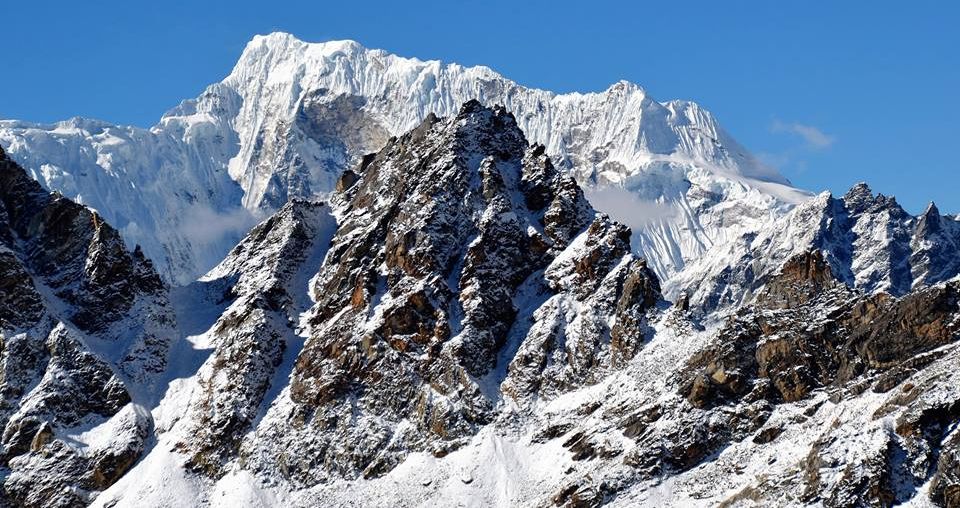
(345, 278)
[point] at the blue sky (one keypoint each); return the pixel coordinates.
(829, 92)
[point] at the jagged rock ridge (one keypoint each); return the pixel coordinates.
(868, 240)
(444, 298)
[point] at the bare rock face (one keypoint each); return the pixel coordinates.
(326, 133)
(563, 349)
(82, 322)
(945, 488)
(810, 333)
(20, 302)
(457, 244)
(819, 332)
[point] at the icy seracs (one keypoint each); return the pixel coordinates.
(291, 116)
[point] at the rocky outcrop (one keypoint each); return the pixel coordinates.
(456, 248)
(255, 338)
(83, 324)
(563, 350)
(810, 333)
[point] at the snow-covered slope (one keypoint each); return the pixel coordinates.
(291, 116)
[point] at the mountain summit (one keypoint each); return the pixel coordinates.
(439, 304)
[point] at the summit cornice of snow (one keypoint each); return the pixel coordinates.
(277, 46)
(345, 66)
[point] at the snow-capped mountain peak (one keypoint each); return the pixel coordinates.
(869, 241)
(292, 116)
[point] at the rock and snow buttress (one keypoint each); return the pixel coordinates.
(85, 331)
(325, 348)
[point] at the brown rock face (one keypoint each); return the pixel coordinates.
(640, 293)
(79, 256)
(560, 351)
(945, 488)
(20, 304)
(800, 281)
(807, 332)
(263, 278)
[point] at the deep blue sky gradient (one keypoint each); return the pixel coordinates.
(877, 80)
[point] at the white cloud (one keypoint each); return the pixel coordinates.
(203, 226)
(774, 160)
(813, 136)
(628, 208)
